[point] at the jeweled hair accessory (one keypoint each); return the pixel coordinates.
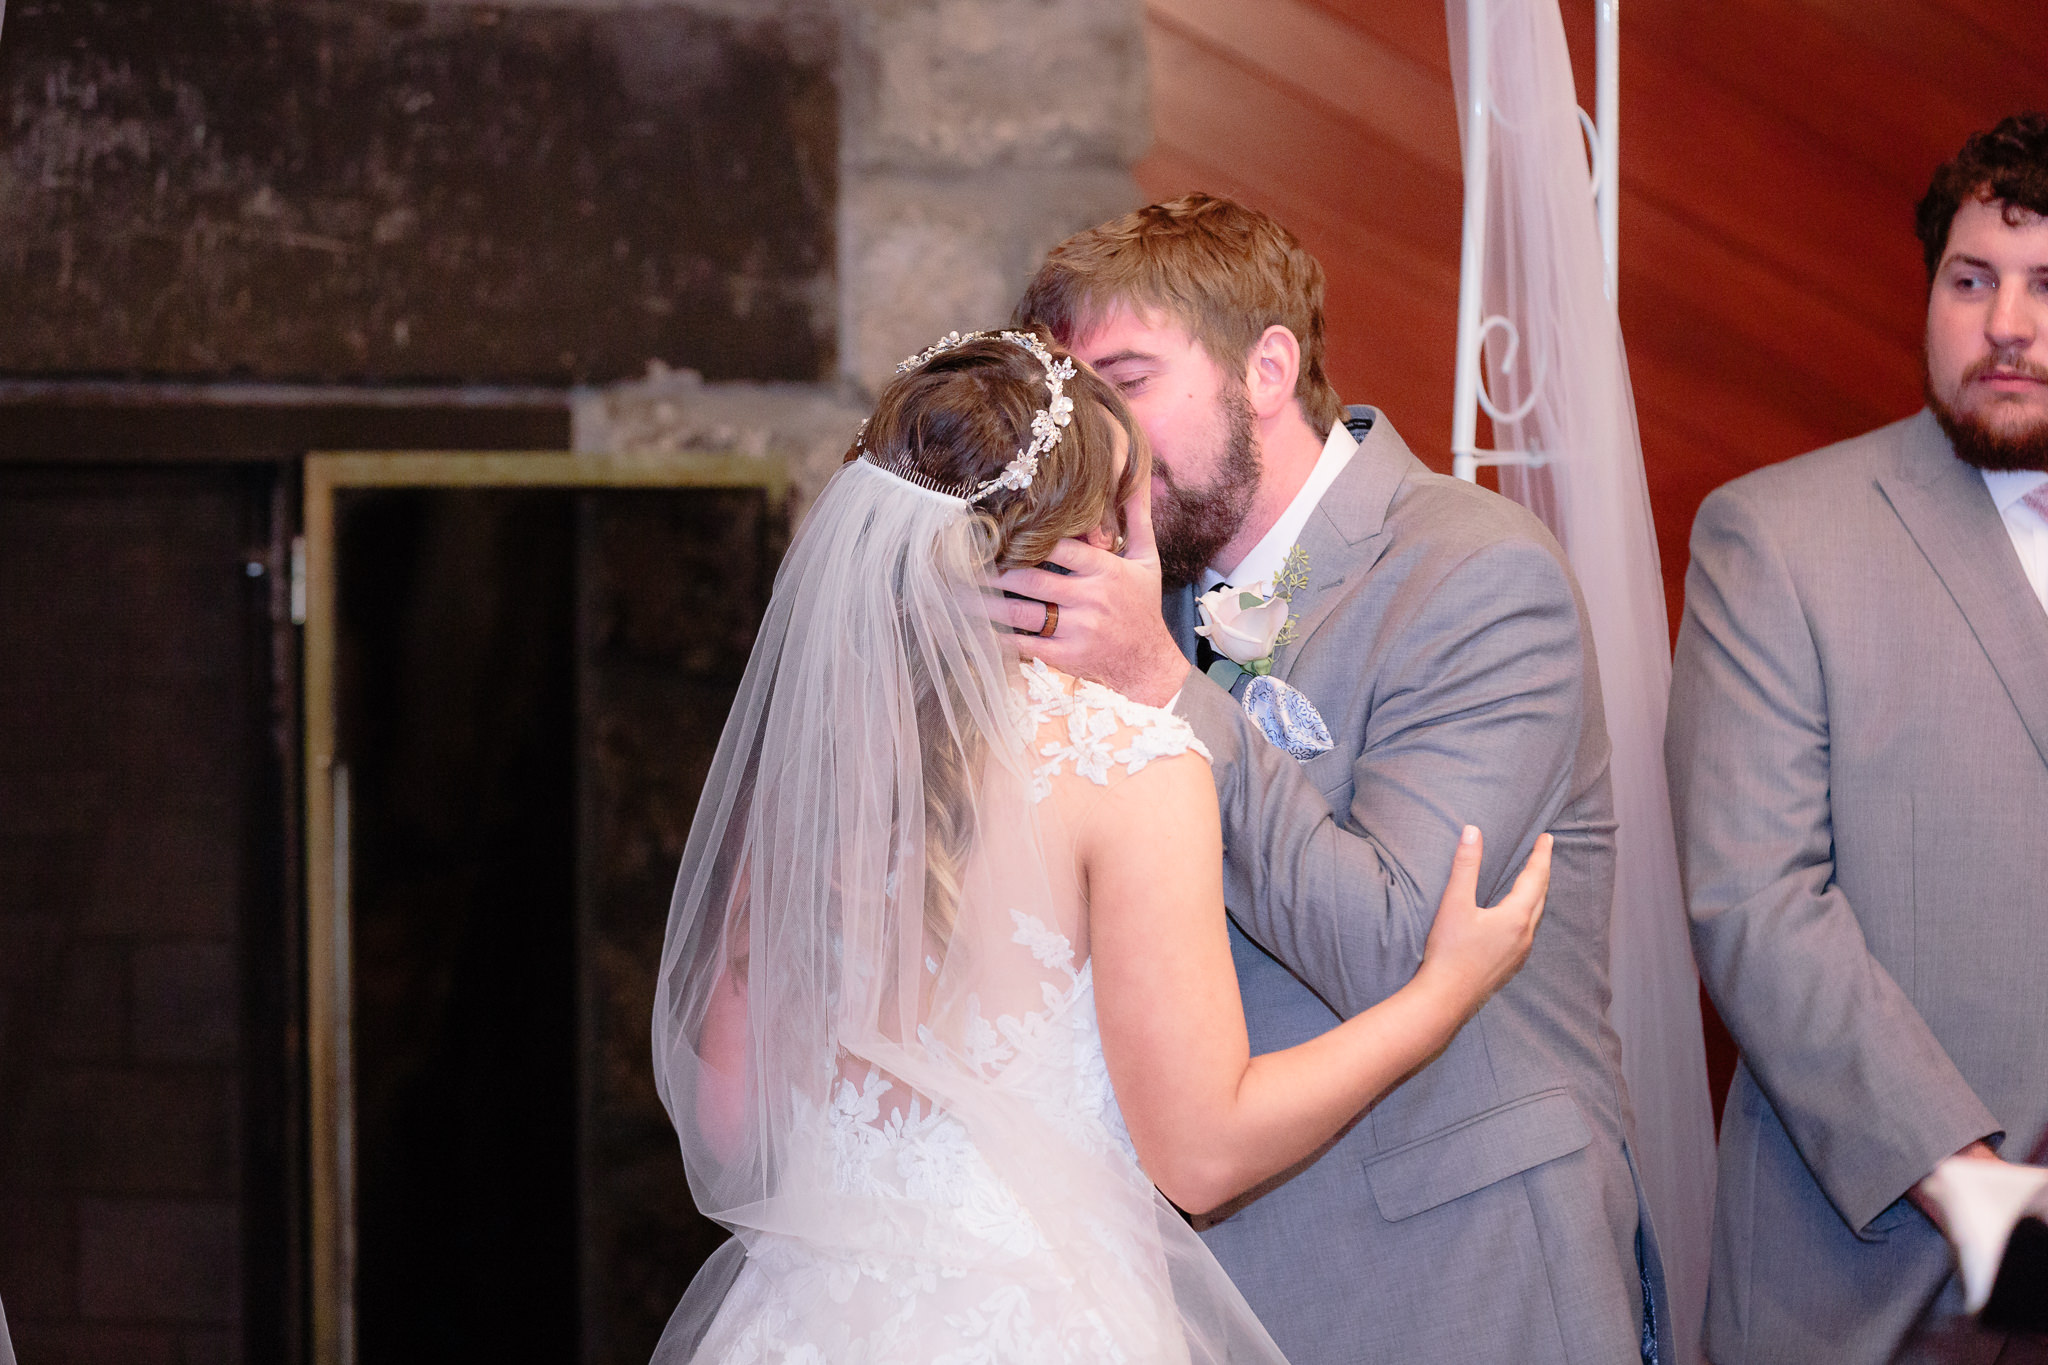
(1046, 424)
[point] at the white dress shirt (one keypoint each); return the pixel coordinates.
(1262, 562)
(2029, 531)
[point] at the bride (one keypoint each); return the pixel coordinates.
(946, 990)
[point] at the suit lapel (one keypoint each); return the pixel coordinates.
(1178, 607)
(1949, 513)
(1346, 534)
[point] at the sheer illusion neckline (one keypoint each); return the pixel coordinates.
(1103, 728)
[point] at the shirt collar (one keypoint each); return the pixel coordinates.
(2008, 486)
(1264, 559)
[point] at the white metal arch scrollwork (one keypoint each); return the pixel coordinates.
(1469, 395)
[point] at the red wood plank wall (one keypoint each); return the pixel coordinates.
(1771, 152)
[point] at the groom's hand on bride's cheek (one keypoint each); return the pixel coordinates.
(1108, 625)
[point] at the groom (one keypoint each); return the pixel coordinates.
(1487, 1208)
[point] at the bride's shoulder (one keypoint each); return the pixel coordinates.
(1082, 729)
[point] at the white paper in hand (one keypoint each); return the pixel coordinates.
(1980, 1202)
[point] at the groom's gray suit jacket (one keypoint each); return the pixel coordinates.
(1858, 749)
(1486, 1209)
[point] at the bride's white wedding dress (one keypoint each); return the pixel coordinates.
(964, 1257)
(991, 1286)
(875, 1023)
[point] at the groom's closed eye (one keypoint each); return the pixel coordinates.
(1125, 368)
(1130, 380)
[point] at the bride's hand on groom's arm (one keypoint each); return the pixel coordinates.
(1108, 626)
(1472, 949)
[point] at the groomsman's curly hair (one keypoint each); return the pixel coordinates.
(2007, 165)
(1223, 271)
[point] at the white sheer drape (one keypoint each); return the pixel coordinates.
(1566, 384)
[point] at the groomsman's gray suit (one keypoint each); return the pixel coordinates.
(1858, 749)
(1486, 1209)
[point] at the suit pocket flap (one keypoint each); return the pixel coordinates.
(1471, 1155)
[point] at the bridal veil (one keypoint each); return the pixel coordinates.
(869, 1026)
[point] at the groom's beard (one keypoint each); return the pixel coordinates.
(1979, 443)
(1192, 523)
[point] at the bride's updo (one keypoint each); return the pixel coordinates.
(953, 423)
(957, 420)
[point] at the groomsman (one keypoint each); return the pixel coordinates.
(1858, 750)
(1487, 1208)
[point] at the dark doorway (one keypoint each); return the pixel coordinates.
(456, 715)
(529, 684)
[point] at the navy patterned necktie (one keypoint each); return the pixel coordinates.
(1205, 653)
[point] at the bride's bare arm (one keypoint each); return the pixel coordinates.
(1210, 1120)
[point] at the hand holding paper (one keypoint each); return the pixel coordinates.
(1981, 1204)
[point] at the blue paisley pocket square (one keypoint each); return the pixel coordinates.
(1286, 718)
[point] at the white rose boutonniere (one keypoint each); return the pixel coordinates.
(1245, 626)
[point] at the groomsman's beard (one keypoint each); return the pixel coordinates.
(1193, 523)
(1979, 443)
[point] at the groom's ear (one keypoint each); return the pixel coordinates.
(1271, 370)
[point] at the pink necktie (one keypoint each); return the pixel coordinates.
(2037, 498)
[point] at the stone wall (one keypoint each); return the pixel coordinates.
(974, 135)
(807, 426)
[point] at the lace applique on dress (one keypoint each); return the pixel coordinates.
(934, 1250)
(1060, 1047)
(1094, 716)
(950, 1267)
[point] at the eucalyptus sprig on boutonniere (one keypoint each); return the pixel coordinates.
(1246, 625)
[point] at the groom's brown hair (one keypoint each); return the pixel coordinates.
(1223, 271)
